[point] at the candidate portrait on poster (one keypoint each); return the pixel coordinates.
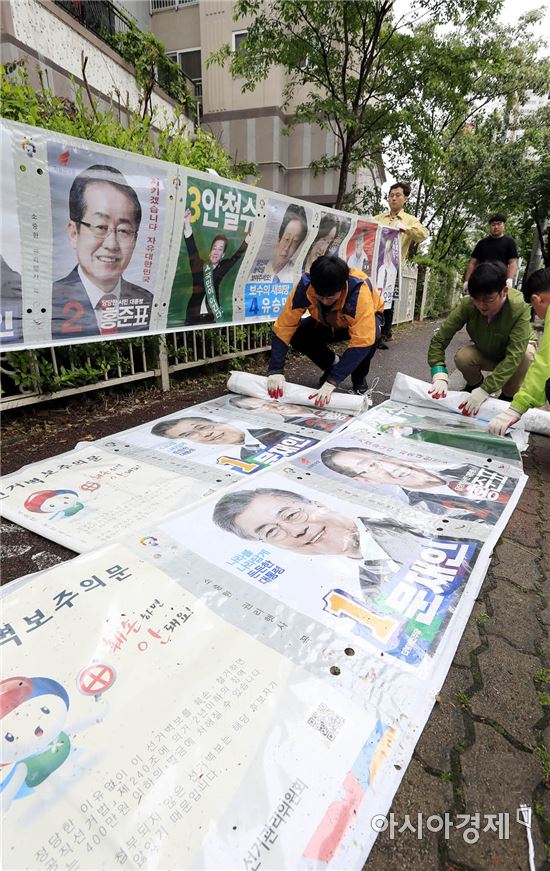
(388, 266)
(217, 222)
(397, 582)
(360, 248)
(277, 267)
(108, 217)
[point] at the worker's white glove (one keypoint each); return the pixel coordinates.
(322, 397)
(471, 406)
(465, 287)
(275, 386)
(503, 420)
(440, 382)
(509, 283)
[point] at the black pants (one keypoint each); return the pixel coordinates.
(312, 339)
(388, 321)
(547, 389)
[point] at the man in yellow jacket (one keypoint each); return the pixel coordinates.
(342, 304)
(535, 389)
(411, 230)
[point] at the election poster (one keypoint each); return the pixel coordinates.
(390, 584)
(453, 489)
(224, 444)
(108, 221)
(320, 422)
(360, 249)
(448, 430)
(217, 223)
(142, 730)
(387, 267)
(86, 497)
(11, 300)
(277, 267)
(333, 229)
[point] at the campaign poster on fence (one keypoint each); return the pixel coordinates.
(360, 248)
(88, 496)
(277, 267)
(201, 437)
(108, 219)
(217, 223)
(141, 729)
(273, 411)
(453, 489)
(390, 585)
(11, 314)
(333, 228)
(439, 428)
(387, 267)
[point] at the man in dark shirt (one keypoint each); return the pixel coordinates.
(495, 247)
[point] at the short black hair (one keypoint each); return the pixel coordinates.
(232, 505)
(328, 275)
(220, 238)
(404, 185)
(294, 213)
(538, 282)
(100, 173)
(487, 278)
(498, 216)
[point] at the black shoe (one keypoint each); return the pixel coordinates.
(360, 388)
(470, 387)
(382, 345)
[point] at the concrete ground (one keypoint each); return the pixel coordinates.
(486, 747)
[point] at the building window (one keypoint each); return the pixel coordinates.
(190, 62)
(239, 37)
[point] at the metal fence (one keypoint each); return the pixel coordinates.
(32, 377)
(162, 5)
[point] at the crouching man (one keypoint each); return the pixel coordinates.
(342, 305)
(502, 343)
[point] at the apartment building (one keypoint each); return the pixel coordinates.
(250, 125)
(56, 40)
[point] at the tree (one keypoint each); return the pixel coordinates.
(374, 78)
(455, 130)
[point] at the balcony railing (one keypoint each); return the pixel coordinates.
(163, 5)
(104, 19)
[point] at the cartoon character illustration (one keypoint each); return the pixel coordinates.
(33, 712)
(58, 503)
(28, 147)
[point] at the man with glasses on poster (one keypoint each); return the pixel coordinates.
(95, 299)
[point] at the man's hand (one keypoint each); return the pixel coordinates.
(509, 283)
(438, 389)
(471, 406)
(322, 397)
(275, 386)
(503, 420)
(465, 287)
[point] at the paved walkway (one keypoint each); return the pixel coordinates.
(486, 746)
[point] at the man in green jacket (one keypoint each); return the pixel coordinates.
(535, 390)
(502, 340)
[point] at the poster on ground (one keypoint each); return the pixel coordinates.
(142, 730)
(390, 582)
(88, 496)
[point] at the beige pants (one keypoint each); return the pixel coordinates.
(472, 364)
